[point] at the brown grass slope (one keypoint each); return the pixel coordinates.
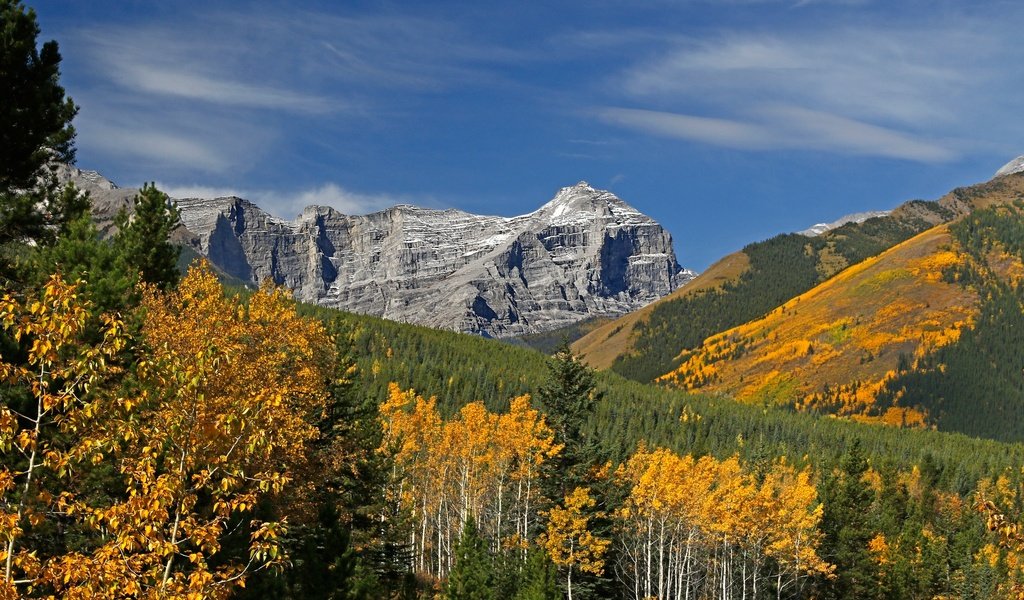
(604, 344)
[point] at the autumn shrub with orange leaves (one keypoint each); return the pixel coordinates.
(212, 418)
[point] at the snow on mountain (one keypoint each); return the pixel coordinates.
(1014, 166)
(820, 228)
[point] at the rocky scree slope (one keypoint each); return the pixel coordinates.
(585, 253)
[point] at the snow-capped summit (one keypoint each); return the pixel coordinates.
(820, 228)
(1014, 166)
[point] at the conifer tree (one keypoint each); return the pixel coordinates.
(472, 576)
(539, 578)
(35, 133)
(81, 254)
(568, 398)
(847, 532)
(144, 237)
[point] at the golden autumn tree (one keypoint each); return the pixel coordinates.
(568, 539)
(220, 414)
(478, 465)
(47, 397)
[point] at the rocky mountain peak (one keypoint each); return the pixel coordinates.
(585, 253)
(1014, 166)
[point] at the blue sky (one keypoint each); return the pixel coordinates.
(728, 121)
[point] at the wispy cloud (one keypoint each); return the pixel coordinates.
(782, 127)
(195, 91)
(149, 146)
(158, 79)
(919, 93)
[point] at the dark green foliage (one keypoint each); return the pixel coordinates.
(472, 575)
(549, 342)
(459, 368)
(35, 117)
(35, 132)
(845, 524)
(144, 237)
(568, 398)
(81, 254)
(539, 578)
(780, 268)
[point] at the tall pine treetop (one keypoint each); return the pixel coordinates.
(35, 115)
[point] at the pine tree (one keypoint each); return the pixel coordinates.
(144, 237)
(35, 117)
(35, 133)
(539, 578)
(472, 576)
(568, 399)
(848, 498)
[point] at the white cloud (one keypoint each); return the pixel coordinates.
(782, 127)
(335, 196)
(720, 132)
(168, 149)
(927, 92)
(157, 79)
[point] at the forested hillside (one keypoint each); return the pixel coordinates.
(779, 269)
(923, 335)
(974, 385)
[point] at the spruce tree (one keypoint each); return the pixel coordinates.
(847, 499)
(472, 576)
(568, 398)
(144, 237)
(539, 578)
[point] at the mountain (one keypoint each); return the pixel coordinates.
(741, 287)
(586, 253)
(860, 217)
(763, 276)
(1014, 166)
(854, 327)
(927, 333)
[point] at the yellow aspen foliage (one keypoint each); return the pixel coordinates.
(568, 539)
(688, 522)
(222, 413)
(58, 375)
(478, 464)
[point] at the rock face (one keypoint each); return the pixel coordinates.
(584, 253)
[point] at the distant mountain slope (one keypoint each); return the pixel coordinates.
(458, 368)
(930, 333)
(584, 254)
(742, 287)
(650, 343)
(831, 348)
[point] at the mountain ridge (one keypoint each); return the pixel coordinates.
(585, 253)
